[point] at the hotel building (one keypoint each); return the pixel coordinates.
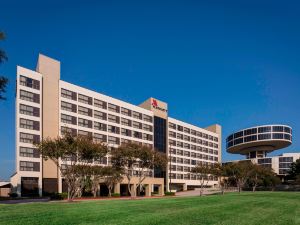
(46, 107)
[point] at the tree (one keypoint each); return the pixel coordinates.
(256, 175)
(3, 80)
(239, 172)
(111, 177)
(134, 158)
(270, 179)
(202, 171)
(96, 177)
(218, 170)
(294, 170)
(73, 156)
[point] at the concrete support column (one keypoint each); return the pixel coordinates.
(184, 187)
(148, 190)
(40, 186)
(99, 188)
(161, 190)
(117, 188)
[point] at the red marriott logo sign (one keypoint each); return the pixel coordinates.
(155, 106)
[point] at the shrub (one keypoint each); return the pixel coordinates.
(168, 193)
(154, 193)
(115, 195)
(13, 195)
(59, 196)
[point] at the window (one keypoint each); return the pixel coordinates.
(113, 129)
(126, 132)
(264, 136)
(172, 143)
(125, 112)
(172, 126)
(100, 115)
(113, 140)
(68, 119)
(29, 110)
(147, 137)
(238, 134)
(193, 132)
(85, 111)
(186, 130)
(186, 145)
(180, 168)
(29, 138)
(179, 144)
(187, 161)
(84, 133)
(68, 130)
(179, 160)
(186, 138)
(172, 134)
(287, 130)
(147, 127)
(136, 125)
(136, 115)
(99, 138)
(85, 123)
(179, 152)
(29, 124)
(68, 107)
(180, 176)
(29, 82)
(100, 104)
(264, 160)
(113, 108)
(238, 141)
(199, 134)
(126, 122)
(113, 118)
(180, 128)
(250, 138)
(285, 159)
(137, 134)
(264, 129)
(30, 97)
(29, 166)
(85, 99)
(186, 153)
(29, 152)
(173, 151)
(277, 136)
(179, 136)
(68, 94)
(99, 126)
(277, 128)
(147, 118)
(216, 139)
(250, 131)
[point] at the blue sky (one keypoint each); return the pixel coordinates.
(235, 63)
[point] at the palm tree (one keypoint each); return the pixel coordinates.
(3, 57)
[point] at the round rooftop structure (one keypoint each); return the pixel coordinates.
(256, 142)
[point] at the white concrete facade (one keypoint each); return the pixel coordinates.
(109, 120)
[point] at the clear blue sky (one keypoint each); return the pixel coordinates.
(235, 63)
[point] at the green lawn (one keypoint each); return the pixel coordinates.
(260, 208)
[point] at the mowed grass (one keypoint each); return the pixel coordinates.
(259, 208)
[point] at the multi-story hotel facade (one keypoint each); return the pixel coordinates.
(47, 106)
